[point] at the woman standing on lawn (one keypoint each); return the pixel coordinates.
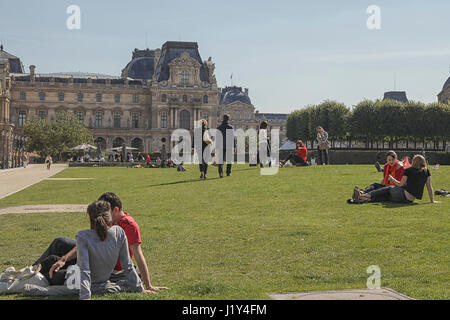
(205, 142)
(323, 145)
(409, 188)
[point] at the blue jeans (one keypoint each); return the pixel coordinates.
(390, 193)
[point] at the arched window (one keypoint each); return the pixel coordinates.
(118, 142)
(101, 144)
(138, 144)
(163, 98)
(205, 99)
(185, 119)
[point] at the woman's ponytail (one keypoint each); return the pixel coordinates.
(100, 217)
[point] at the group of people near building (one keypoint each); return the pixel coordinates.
(102, 253)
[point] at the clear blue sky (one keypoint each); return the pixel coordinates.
(288, 53)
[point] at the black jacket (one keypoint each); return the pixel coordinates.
(224, 126)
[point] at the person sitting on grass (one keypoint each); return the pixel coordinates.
(299, 156)
(62, 252)
(98, 250)
(392, 167)
(409, 188)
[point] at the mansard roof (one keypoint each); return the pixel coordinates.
(396, 95)
(233, 94)
(172, 50)
(15, 65)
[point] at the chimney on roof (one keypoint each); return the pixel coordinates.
(246, 91)
(32, 68)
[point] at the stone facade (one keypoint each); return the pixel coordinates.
(140, 112)
(158, 91)
(237, 103)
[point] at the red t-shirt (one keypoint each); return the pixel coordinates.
(303, 152)
(132, 232)
(398, 171)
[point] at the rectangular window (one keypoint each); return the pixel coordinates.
(80, 97)
(117, 98)
(98, 98)
(22, 118)
(135, 98)
(116, 119)
(98, 119)
(163, 120)
(42, 114)
(80, 116)
(61, 96)
(23, 96)
(135, 120)
(184, 77)
(41, 95)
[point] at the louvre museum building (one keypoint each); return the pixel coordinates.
(158, 91)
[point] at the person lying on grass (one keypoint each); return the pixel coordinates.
(409, 188)
(62, 252)
(392, 167)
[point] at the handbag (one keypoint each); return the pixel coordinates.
(206, 138)
(324, 145)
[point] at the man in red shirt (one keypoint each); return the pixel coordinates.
(67, 250)
(299, 157)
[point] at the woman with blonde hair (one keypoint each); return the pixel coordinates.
(206, 140)
(409, 188)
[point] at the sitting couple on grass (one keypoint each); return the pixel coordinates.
(398, 185)
(103, 255)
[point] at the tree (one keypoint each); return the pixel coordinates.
(54, 138)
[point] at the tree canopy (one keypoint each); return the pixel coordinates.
(54, 138)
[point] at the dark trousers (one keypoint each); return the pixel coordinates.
(59, 247)
(373, 186)
(296, 159)
(390, 193)
(224, 159)
(380, 194)
(323, 156)
(203, 167)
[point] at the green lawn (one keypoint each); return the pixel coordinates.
(247, 235)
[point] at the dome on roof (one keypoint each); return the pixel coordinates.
(233, 94)
(446, 83)
(142, 64)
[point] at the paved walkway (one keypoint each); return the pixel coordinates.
(36, 208)
(357, 294)
(15, 180)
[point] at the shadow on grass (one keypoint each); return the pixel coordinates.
(193, 180)
(390, 205)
